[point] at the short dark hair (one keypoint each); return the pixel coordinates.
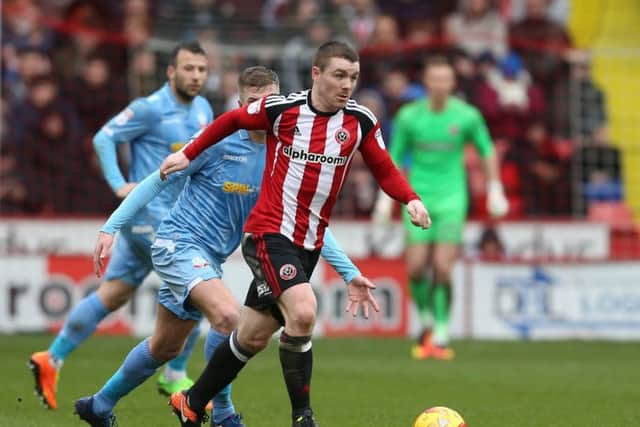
(192, 46)
(258, 76)
(334, 49)
(437, 61)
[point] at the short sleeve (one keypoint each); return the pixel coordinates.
(131, 122)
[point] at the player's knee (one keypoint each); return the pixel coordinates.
(114, 295)
(226, 319)
(442, 274)
(303, 318)
(415, 273)
(256, 343)
(115, 301)
(163, 352)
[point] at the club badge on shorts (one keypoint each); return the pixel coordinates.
(288, 272)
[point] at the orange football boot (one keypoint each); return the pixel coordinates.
(46, 376)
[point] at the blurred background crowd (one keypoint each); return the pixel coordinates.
(70, 65)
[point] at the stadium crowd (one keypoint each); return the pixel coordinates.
(70, 65)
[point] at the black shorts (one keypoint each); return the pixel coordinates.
(277, 264)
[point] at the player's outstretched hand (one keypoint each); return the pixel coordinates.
(102, 251)
(173, 163)
(359, 290)
(125, 189)
(419, 214)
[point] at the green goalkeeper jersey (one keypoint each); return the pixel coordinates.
(433, 142)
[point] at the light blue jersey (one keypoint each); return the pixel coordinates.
(206, 224)
(216, 200)
(154, 127)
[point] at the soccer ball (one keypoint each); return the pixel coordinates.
(439, 416)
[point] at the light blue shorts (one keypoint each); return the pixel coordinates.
(131, 256)
(182, 265)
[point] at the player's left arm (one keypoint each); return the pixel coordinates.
(138, 198)
(359, 287)
(390, 179)
(478, 134)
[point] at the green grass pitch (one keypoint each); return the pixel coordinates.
(366, 383)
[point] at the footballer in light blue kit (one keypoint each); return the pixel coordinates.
(202, 229)
(154, 127)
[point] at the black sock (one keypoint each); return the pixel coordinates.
(296, 359)
(222, 368)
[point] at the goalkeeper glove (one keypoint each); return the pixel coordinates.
(497, 203)
(381, 214)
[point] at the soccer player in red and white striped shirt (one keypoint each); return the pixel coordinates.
(311, 138)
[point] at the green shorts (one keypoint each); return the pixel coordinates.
(447, 224)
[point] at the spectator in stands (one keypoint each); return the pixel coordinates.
(53, 162)
(544, 175)
(143, 74)
(477, 28)
(543, 43)
(22, 25)
(14, 197)
(298, 54)
(557, 10)
(509, 99)
(397, 90)
(137, 22)
(386, 34)
(489, 246)
(227, 96)
(421, 33)
(600, 165)
(30, 62)
(93, 31)
(96, 93)
(407, 11)
(373, 100)
(467, 78)
(589, 100)
(214, 78)
(361, 16)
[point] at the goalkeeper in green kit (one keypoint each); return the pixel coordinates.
(431, 134)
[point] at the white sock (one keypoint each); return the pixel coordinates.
(173, 375)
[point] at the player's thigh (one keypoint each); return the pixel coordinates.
(298, 306)
(169, 334)
(256, 329)
(182, 265)
(130, 260)
(417, 258)
(280, 267)
(444, 258)
(217, 303)
(114, 293)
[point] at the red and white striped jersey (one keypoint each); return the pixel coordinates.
(308, 157)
